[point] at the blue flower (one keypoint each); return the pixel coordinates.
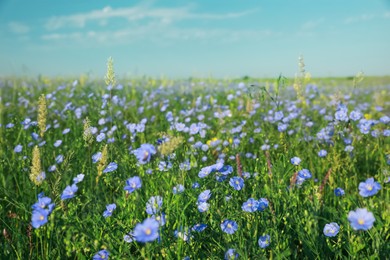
(100, 137)
(231, 254)
(355, 115)
(361, 219)
(96, 157)
(178, 189)
(341, 113)
(109, 209)
(183, 233)
(39, 217)
(59, 159)
(78, 178)
(133, 184)
(42, 203)
(204, 196)
(101, 255)
(369, 188)
(144, 153)
(57, 143)
(322, 153)
(154, 204)
(304, 174)
(160, 218)
(69, 192)
(251, 205)
(199, 227)
(263, 204)
(112, 166)
(41, 177)
(295, 161)
(237, 183)
(18, 148)
(229, 226)
(339, 192)
(147, 231)
(264, 241)
(203, 206)
(331, 229)
(129, 237)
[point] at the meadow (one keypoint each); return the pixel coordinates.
(150, 168)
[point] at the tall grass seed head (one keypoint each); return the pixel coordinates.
(87, 133)
(42, 114)
(110, 75)
(36, 170)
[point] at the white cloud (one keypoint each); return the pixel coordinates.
(158, 33)
(136, 13)
(309, 25)
(366, 17)
(18, 28)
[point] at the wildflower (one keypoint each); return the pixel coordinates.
(144, 153)
(184, 234)
(205, 171)
(262, 204)
(52, 168)
(96, 157)
(109, 209)
(203, 206)
(129, 237)
(304, 174)
(178, 189)
(295, 161)
(237, 183)
(65, 131)
(57, 143)
(264, 241)
(204, 196)
(361, 219)
(133, 184)
(348, 148)
(146, 231)
(112, 166)
(355, 115)
(339, 192)
(69, 192)
(231, 254)
(341, 113)
(229, 226)
(59, 159)
(195, 185)
(18, 148)
(100, 137)
(250, 205)
(101, 255)
(154, 205)
(199, 227)
(78, 178)
(39, 217)
(160, 218)
(369, 188)
(225, 169)
(331, 229)
(322, 153)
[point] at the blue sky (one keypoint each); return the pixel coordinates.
(205, 38)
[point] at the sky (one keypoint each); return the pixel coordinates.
(206, 38)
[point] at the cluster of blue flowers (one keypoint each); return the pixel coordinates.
(41, 210)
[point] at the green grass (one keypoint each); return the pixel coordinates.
(295, 218)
